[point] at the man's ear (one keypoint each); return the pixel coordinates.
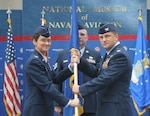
(34, 42)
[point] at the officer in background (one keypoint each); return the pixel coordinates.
(91, 56)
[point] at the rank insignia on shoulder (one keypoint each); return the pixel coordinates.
(90, 57)
(55, 65)
(87, 51)
(118, 51)
(65, 61)
(36, 56)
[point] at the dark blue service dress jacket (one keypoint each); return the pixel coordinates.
(112, 83)
(92, 57)
(40, 90)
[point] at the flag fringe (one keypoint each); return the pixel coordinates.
(140, 113)
(8, 112)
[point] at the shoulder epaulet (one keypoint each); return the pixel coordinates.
(35, 56)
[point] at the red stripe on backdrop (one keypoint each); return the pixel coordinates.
(65, 37)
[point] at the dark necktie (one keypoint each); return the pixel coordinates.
(105, 57)
(48, 66)
(105, 61)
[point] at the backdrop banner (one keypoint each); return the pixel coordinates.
(123, 14)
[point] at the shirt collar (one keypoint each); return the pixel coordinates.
(82, 51)
(108, 52)
(44, 57)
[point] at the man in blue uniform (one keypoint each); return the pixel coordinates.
(91, 56)
(40, 90)
(113, 79)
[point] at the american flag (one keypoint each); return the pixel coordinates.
(11, 87)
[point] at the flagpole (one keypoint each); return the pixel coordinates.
(76, 83)
(74, 34)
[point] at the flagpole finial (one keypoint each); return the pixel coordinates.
(8, 13)
(43, 13)
(43, 19)
(140, 14)
(140, 11)
(9, 19)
